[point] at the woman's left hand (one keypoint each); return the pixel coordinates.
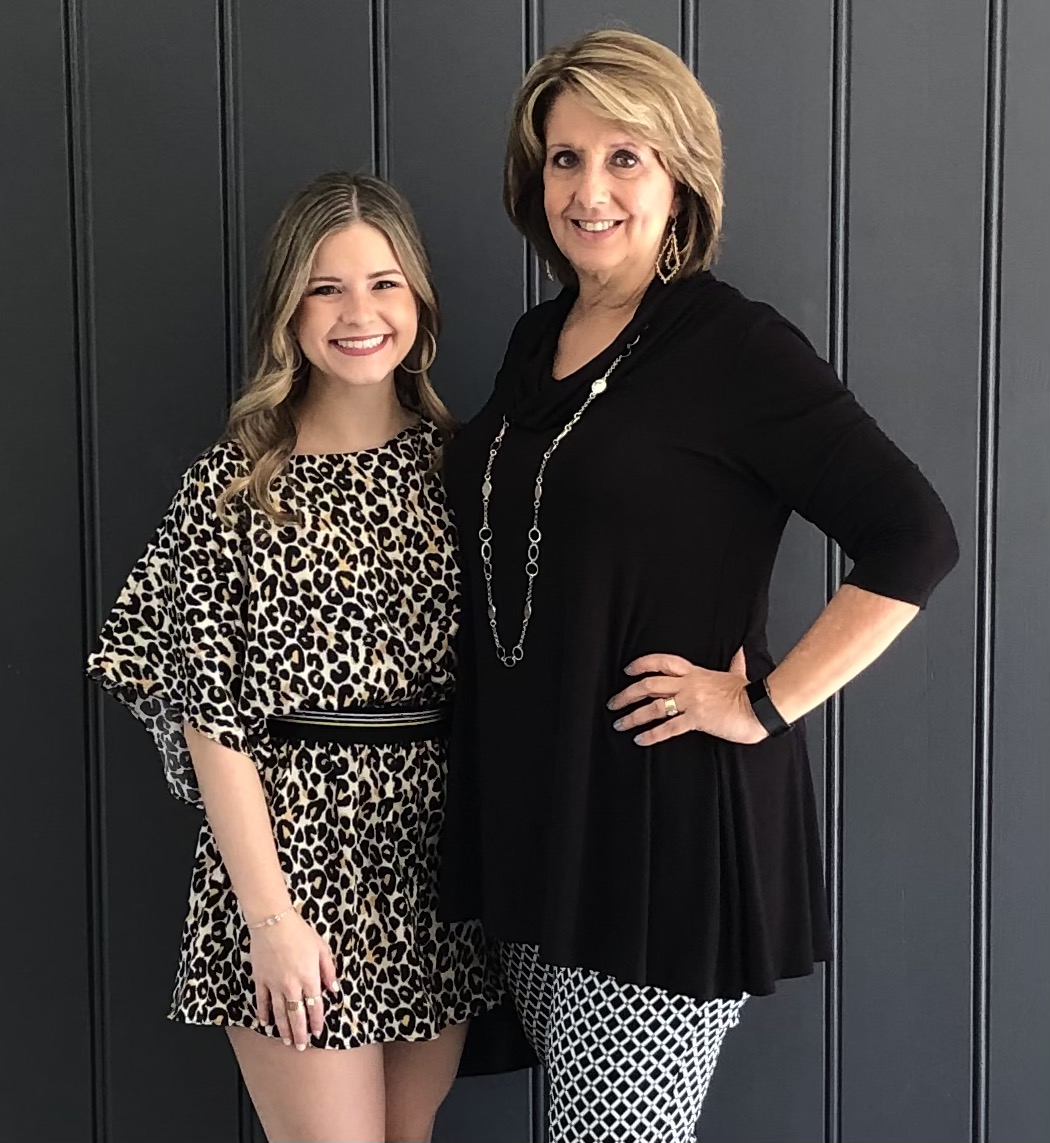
(711, 701)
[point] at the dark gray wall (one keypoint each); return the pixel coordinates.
(888, 169)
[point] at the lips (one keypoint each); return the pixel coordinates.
(596, 230)
(596, 225)
(360, 346)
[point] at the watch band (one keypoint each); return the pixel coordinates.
(766, 713)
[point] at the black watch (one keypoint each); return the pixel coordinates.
(766, 713)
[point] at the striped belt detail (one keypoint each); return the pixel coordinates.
(369, 725)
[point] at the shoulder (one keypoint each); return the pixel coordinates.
(210, 475)
(217, 465)
(534, 322)
(763, 355)
(531, 331)
(742, 323)
(773, 371)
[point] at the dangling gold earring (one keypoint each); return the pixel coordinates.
(547, 267)
(424, 365)
(669, 256)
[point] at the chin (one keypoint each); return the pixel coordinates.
(594, 265)
(365, 381)
(360, 378)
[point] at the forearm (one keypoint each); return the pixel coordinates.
(237, 813)
(849, 634)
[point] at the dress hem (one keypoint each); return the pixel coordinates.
(177, 1017)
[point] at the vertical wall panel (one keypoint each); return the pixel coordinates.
(304, 106)
(984, 564)
(775, 116)
(153, 115)
(563, 22)
(914, 321)
(1019, 1096)
(446, 156)
(48, 966)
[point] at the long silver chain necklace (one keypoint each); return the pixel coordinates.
(514, 656)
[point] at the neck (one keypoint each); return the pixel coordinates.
(618, 292)
(337, 417)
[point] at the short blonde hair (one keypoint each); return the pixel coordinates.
(645, 88)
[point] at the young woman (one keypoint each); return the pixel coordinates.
(286, 638)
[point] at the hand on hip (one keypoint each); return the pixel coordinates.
(678, 697)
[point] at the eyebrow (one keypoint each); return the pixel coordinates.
(626, 141)
(371, 277)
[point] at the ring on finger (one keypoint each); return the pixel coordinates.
(294, 1005)
(310, 1001)
(670, 707)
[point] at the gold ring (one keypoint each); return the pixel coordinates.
(670, 707)
(293, 1005)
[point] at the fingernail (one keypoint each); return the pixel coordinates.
(287, 1043)
(618, 724)
(638, 740)
(335, 989)
(609, 705)
(300, 1047)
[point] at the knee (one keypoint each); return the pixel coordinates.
(409, 1128)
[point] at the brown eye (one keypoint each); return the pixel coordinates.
(563, 160)
(625, 159)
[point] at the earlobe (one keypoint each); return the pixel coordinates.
(678, 202)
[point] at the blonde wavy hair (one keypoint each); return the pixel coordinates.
(263, 419)
(645, 88)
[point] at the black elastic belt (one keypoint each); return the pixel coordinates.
(368, 725)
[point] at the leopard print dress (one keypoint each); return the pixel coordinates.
(223, 624)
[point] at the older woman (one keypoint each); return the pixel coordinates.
(629, 814)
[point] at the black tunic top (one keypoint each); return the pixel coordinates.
(693, 865)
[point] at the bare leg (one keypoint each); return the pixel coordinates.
(418, 1077)
(317, 1096)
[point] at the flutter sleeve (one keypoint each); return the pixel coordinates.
(173, 648)
(803, 433)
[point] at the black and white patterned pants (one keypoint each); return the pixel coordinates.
(625, 1063)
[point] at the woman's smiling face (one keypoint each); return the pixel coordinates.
(607, 197)
(358, 318)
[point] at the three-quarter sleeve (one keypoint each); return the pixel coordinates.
(172, 649)
(803, 434)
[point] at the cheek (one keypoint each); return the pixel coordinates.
(308, 322)
(555, 196)
(654, 203)
(404, 318)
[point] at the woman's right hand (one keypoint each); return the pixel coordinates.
(292, 962)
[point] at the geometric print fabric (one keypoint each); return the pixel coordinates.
(625, 1063)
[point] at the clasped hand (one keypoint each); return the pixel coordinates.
(711, 701)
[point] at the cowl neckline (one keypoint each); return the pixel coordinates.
(535, 400)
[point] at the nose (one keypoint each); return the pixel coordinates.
(357, 306)
(592, 187)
